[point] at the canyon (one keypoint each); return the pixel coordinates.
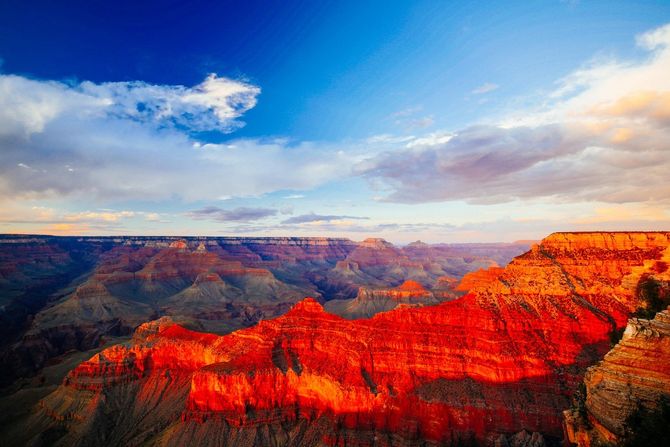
(414, 358)
(63, 294)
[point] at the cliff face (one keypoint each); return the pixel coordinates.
(504, 358)
(61, 294)
(131, 285)
(371, 301)
(376, 264)
(600, 271)
(634, 376)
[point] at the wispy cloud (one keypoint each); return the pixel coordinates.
(240, 214)
(309, 218)
(409, 111)
(408, 119)
(105, 216)
(485, 88)
(44, 219)
(419, 123)
(601, 136)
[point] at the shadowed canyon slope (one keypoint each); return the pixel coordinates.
(505, 357)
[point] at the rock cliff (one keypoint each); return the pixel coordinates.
(371, 301)
(504, 358)
(61, 295)
(634, 377)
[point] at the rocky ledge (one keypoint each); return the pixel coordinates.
(634, 377)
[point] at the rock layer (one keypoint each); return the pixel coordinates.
(501, 359)
(371, 301)
(633, 376)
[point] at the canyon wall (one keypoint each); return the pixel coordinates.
(503, 358)
(370, 301)
(632, 380)
(59, 294)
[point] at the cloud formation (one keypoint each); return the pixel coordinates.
(215, 104)
(240, 214)
(602, 135)
(133, 141)
(310, 218)
(44, 219)
(485, 88)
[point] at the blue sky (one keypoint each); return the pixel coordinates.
(435, 120)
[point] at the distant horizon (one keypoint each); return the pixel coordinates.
(182, 236)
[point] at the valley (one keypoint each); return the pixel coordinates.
(440, 367)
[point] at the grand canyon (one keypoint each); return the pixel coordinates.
(256, 223)
(251, 341)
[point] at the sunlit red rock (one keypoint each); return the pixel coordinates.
(64, 294)
(479, 278)
(504, 358)
(370, 301)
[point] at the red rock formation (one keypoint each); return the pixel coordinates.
(503, 358)
(134, 279)
(370, 301)
(376, 251)
(413, 288)
(376, 264)
(634, 375)
(479, 278)
(179, 245)
(446, 282)
(407, 290)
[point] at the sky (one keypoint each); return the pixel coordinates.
(407, 120)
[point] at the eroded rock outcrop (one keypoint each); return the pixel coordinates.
(59, 294)
(633, 377)
(370, 301)
(504, 358)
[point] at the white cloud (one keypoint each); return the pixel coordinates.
(388, 138)
(656, 38)
(212, 105)
(17, 216)
(152, 217)
(602, 135)
(431, 139)
(419, 123)
(602, 82)
(106, 216)
(27, 105)
(132, 140)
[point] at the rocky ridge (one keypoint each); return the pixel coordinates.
(370, 301)
(68, 294)
(503, 358)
